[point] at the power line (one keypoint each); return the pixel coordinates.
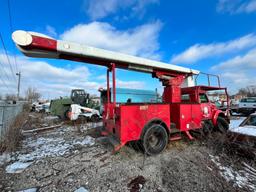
(2, 78)
(3, 69)
(11, 30)
(3, 82)
(7, 56)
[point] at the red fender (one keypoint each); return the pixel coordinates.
(215, 116)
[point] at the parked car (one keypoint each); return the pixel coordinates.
(40, 107)
(245, 133)
(247, 105)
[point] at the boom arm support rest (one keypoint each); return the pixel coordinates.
(172, 84)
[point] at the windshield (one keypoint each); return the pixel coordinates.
(218, 97)
(248, 100)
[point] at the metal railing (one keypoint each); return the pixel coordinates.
(208, 78)
(8, 113)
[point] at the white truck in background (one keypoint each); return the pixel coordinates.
(247, 105)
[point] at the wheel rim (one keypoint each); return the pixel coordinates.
(154, 140)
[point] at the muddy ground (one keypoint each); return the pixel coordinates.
(62, 159)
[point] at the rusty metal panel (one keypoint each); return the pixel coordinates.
(8, 112)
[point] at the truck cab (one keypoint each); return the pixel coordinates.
(201, 96)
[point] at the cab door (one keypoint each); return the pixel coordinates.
(205, 106)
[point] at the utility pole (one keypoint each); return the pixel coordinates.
(18, 94)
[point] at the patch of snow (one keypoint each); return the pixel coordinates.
(51, 117)
(5, 158)
(81, 189)
(50, 147)
(88, 140)
(245, 130)
(29, 190)
(17, 167)
(240, 178)
(45, 147)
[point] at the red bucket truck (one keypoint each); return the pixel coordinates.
(153, 125)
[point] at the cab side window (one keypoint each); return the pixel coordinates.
(185, 98)
(203, 98)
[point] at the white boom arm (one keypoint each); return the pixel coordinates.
(38, 45)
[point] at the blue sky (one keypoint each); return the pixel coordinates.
(215, 36)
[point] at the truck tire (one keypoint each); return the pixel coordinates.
(222, 125)
(154, 139)
(136, 145)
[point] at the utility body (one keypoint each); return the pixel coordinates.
(151, 125)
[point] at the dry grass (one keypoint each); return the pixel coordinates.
(13, 135)
(223, 144)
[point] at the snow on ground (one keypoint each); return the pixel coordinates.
(5, 158)
(88, 140)
(81, 189)
(241, 178)
(51, 117)
(29, 190)
(17, 167)
(46, 146)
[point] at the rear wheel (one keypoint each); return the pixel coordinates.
(155, 139)
(137, 145)
(222, 125)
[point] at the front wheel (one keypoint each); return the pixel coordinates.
(222, 125)
(155, 139)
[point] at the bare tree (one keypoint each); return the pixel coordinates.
(32, 94)
(249, 91)
(10, 97)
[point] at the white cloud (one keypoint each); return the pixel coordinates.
(236, 6)
(52, 81)
(202, 51)
(141, 41)
(239, 71)
(247, 61)
(98, 9)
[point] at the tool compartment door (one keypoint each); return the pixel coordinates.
(186, 116)
(134, 117)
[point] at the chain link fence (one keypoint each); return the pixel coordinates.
(8, 112)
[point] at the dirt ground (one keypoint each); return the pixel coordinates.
(65, 159)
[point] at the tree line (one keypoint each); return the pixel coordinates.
(31, 95)
(249, 91)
